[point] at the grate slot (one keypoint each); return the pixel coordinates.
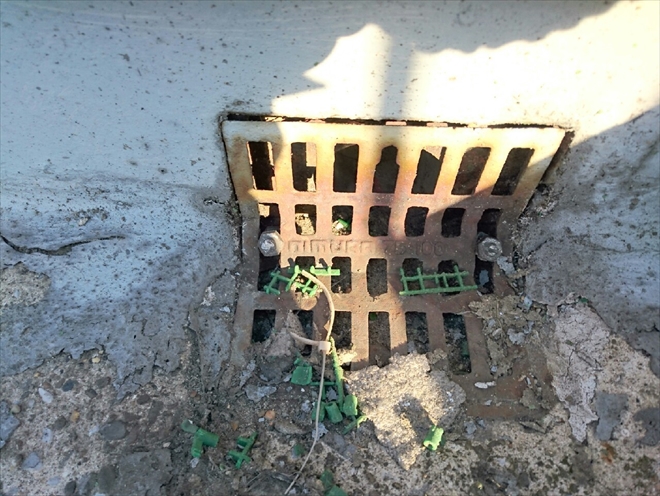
(452, 220)
(457, 344)
(379, 338)
(341, 330)
(345, 168)
(417, 332)
(514, 166)
(305, 220)
(488, 222)
(386, 172)
(377, 276)
(303, 166)
(428, 170)
(342, 220)
(261, 161)
(342, 282)
(415, 221)
(379, 220)
(263, 324)
(469, 173)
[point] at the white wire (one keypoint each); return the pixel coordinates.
(331, 305)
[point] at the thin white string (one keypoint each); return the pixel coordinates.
(324, 350)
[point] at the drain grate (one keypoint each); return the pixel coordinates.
(384, 203)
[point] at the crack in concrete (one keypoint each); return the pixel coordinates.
(62, 250)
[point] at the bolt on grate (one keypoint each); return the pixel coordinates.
(373, 199)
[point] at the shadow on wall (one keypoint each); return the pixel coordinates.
(408, 29)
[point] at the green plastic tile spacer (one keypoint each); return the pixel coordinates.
(329, 486)
(321, 412)
(245, 444)
(354, 424)
(201, 438)
(333, 412)
(434, 438)
(324, 271)
(349, 407)
(441, 280)
(302, 374)
(339, 372)
(326, 385)
(276, 279)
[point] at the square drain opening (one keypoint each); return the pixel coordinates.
(399, 211)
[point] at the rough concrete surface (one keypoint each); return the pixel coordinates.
(403, 400)
(574, 361)
(591, 239)
(119, 250)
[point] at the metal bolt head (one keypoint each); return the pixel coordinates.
(489, 249)
(270, 243)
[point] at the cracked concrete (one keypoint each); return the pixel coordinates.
(127, 293)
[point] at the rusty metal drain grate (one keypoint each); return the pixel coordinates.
(373, 200)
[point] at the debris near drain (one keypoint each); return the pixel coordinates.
(434, 438)
(340, 227)
(245, 445)
(509, 323)
(336, 405)
(402, 399)
(302, 374)
(295, 279)
(445, 282)
(329, 486)
(484, 385)
(201, 438)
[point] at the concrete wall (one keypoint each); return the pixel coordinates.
(116, 200)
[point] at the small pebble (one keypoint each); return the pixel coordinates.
(60, 423)
(32, 461)
(194, 462)
(234, 426)
(269, 415)
(102, 382)
(484, 385)
(16, 409)
(45, 396)
(68, 385)
(47, 436)
(96, 359)
(322, 430)
(70, 488)
(74, 416)
(91, 393)
(166, 445)
(288, 428)
(114, 430)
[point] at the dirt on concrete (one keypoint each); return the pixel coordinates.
(67, 434)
